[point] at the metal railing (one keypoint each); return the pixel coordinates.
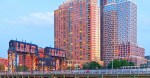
(61, 72)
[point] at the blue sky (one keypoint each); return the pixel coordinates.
(32, 20)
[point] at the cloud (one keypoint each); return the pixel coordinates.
(9, 21)
(39, 18)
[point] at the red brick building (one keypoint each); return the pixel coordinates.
(77, 30)
(29, 61)
(41, 62)
(4, 62)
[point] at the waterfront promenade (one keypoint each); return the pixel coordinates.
(120, 73)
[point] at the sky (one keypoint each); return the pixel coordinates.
(33, 21)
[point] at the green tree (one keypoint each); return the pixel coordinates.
(119, 63)
(131, 64)
(2, 67)
(92, 65)
(116, 64)
(22, 68)
(124, 63)
(86, 65)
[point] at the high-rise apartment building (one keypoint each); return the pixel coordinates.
(119, 30)
(77, 30)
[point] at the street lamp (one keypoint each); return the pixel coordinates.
(112, 63)
(43, 65)
(113, 59)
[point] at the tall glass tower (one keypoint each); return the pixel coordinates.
(119, 30)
